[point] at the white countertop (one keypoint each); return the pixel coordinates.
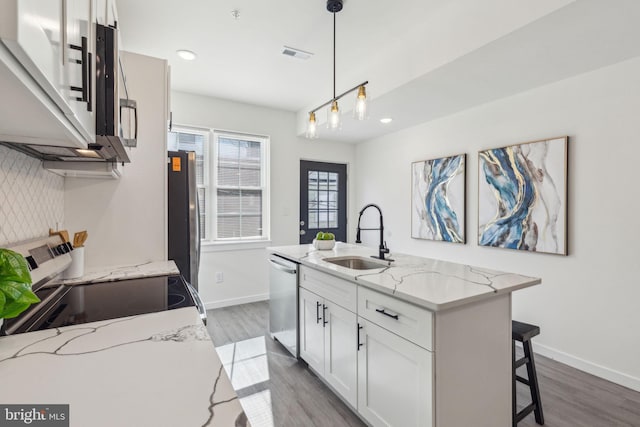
(430, 283)
(158, 369)
(121, 272)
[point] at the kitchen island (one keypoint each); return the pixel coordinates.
(157, 369)
(412, 342)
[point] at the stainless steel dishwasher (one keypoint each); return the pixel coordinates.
(283, 302)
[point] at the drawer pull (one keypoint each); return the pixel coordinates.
(381, 311)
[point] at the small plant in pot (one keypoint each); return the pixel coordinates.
(324, 241)
(15, 285)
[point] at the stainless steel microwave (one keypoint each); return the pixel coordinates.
(116, 113)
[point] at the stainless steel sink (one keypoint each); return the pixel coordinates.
(357, 262)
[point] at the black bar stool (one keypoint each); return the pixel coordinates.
(523, 332)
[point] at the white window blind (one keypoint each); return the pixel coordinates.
(240, 186)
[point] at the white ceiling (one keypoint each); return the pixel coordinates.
(423, 58)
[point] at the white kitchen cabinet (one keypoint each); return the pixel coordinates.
(311, 330)
(328, 343)
(394, 379)
(34, 67)
(33, 31)
(106, 12)
(340, 351)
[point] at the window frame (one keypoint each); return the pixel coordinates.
(206, 176)
(209, 240)
(264, 188)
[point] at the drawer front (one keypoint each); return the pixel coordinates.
(407, 320)
(336, 290)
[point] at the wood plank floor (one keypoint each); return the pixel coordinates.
(278, 390)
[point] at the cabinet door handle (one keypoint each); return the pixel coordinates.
(89, 81)
(381, 311)
(84, 48)
(324, 315)
(318, 318)
(358, 327)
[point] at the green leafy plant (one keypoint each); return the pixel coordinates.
(15, 285)
(325, 236)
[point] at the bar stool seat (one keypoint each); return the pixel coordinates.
(523, 332)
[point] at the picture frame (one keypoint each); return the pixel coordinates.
(522, 196)
(438, 199)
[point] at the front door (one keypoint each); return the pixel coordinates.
(323, 200)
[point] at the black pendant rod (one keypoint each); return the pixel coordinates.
(334, 56)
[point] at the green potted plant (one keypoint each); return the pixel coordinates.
(15, 285)
(324, 241)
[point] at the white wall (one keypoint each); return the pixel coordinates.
(126, 218)
(246, 271)
(587, 305)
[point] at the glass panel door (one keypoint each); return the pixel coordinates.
(323, 200)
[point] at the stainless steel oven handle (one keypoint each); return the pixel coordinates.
(281, 267)
(60, 292)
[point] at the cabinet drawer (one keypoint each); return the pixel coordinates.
(338, 291)
(407, 320)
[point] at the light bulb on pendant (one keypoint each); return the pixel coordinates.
(312, 127)
(333, 119)
(360, 111)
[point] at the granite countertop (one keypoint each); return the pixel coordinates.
(158, 369)
(110, 274)
(430, 283)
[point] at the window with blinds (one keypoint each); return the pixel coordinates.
(231, 175)
(240, 186)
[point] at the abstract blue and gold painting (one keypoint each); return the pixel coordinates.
(438, 199)
(522, 196)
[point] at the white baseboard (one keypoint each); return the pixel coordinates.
(589, 367)
(235, 301)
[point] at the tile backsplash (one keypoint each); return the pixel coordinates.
(31, 198)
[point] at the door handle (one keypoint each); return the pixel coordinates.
(358, 328)
(302, 232)
(318, 318)
(324, 317)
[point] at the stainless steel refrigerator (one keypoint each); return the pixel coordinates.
(183, 215)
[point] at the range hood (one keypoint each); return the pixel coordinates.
(84, 169)
(106, 149)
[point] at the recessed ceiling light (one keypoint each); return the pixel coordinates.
(386, 120)
(187, 55)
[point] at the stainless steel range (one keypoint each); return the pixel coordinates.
(63, 305)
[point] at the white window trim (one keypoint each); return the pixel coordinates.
(209, 242)
(244, 242)
(238, 245)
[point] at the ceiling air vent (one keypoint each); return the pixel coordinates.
(296, 53)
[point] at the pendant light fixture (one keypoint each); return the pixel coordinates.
(333, 113)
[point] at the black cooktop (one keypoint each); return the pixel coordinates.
(73, 305)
